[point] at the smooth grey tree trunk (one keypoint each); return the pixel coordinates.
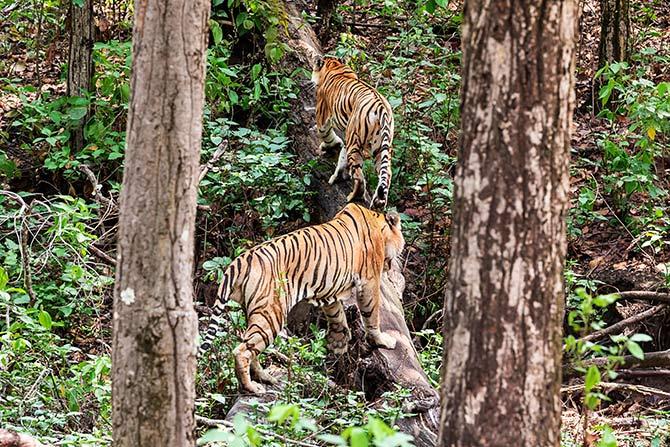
(80, 61)
(504, 300)
(154, 322)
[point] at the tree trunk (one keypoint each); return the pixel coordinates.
(154, 323)
(504, 301)
(80, 61)
(614, 32)
(324, 10)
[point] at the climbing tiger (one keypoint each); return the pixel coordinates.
(366, 118)
(322, 264)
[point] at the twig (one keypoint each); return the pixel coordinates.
(217, 422)
(372, 25)
(25, 257)
(640, 389)
(102, 255)
(643, 372)
(657, 359)
(24, 213)
(644, 295)
(215, 158)
(624, 323)
(96, 188)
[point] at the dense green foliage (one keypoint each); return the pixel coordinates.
(55, 288)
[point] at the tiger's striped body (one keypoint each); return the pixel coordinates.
(322, 264)
(366, 118)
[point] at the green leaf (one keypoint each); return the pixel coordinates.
(280, 413)
(640, 338)
(359, 437)
(77, 113)
(45, 319)
(255, 71)
(4, 278)
(78, 3)
(333, 439)
(605, 300)
(217, 33)
(234, 98)
(592, 378)
(607, 438)
(215, 435)
(635, 349)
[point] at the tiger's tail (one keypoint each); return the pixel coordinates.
(383, 161)
(220, 308)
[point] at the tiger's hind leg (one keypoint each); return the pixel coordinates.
(355, 163)
(338, 331)
(327, 135)
(369, 304)
(258, 336)
(260, 374)
(341, 168)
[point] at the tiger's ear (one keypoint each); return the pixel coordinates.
(318, 63)
(393, 219)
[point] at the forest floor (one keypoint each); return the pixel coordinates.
(619, 222)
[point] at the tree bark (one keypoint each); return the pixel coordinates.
(504, 299)
(80, 61)
(154, 323)
(614, 32)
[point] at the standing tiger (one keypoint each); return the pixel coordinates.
(321, 264)
(366, 118)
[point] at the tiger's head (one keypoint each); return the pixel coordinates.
(329, 65)
(394, 242)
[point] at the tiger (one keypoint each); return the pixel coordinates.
(350, 105)
(322, 264)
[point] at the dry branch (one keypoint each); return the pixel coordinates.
(629, 373)
(215, 158)
(102, 255)
(108, 203)
(624, 323)
(645, 295)
(609, 386)
(24, 214)
(658, 359)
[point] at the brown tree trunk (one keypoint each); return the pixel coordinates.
(614, 32)
(324, 10)
(504, 301)
(154, 323)
(80, 61)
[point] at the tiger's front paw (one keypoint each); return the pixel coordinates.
(382, 340)
(338, 340)
(254, 388)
